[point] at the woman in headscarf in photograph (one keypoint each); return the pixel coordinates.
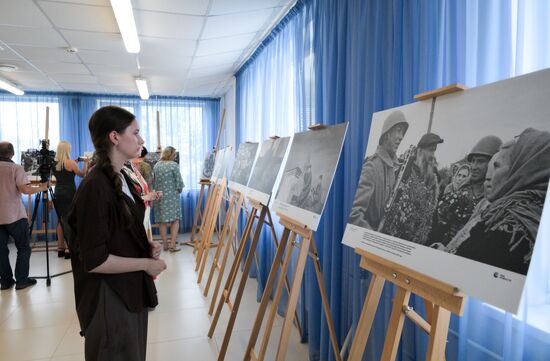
(506, 232)
(454, 208)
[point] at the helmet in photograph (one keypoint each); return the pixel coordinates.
(487, 146)
(396, 117)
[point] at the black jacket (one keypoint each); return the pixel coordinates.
(97, 232)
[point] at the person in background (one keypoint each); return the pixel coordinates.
(13, 220)
(65, 189)
(113, 261)
(168, 210)
(144, 168)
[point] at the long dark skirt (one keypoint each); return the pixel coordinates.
(115, 333)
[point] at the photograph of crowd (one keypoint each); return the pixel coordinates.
(470, 181)
(310, 168)
(243, 163)
(266, 168)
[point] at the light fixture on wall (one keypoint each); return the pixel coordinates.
(10, 87)
(126, 24)
(142, 88)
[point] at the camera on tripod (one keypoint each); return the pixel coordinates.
(39, 161)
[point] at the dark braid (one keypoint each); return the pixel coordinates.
(103, 122)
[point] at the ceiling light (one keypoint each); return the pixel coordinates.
(142, 88)
(125, 18)
(11, 88)
(7, 67)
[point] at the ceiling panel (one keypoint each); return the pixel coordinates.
(83, 87)
(33, 53)
(220, 7)
(167, 47)
(106, 69)
(190, 7)
(218, 60)
(74, 78)
(225, 44)
(43, 37)
(116, 80)
(22, 13)
(81, 17)
(166, 25)
(122, 89)
(24, 77)
(86, 2)
(125, 60)
(51, 87)
(235, 24)
(211, 71)
(62, 68)
(20, 64)
(89, 40)
(207, 80)
(168, 63)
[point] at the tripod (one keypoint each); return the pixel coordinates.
(43, 197)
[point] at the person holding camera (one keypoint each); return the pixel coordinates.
(64, 171)
(13, 220)
(113, 261)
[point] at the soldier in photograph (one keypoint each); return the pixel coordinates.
(378, 175)
(410, 215)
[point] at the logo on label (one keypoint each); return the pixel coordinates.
(501, 276)
(495, 275)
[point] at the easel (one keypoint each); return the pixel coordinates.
(205, 183)
(207, 228)
(236, 204)
(440, 298)
(292, 229)
(226, 293)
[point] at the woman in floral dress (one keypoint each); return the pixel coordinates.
(167, 179)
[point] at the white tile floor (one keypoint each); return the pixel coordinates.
(39, 323)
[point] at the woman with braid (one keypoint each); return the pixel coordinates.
(113, 263)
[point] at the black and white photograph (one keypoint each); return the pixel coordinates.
(465, 188)
(266, 169)
(208, 165)
(220, 166)
(242, 167)
(29, 161)
(308, 173)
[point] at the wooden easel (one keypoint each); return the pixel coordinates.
(292, 229)
(207, 228)
(205, 185)
(263, 211)
(236, 204)
(441, 299)
(198, 218)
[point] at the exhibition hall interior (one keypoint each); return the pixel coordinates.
(344, 180)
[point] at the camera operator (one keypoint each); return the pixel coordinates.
(13, 220)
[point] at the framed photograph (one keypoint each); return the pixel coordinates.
(308, 174)
(208, 165)
(267, 169)
(242, 167)
(220, 166)
(458, 195)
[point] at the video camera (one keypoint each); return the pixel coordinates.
(44, 160)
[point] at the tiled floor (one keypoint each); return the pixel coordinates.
(40, 323)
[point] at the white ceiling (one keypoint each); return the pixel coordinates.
(188, 47)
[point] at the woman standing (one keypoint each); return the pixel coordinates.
(65, 189)
(167, 179)
(113, 262)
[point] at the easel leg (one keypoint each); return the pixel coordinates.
(293, 298)
(198, 214)
(367, 317)
(438, 334)
(205, 227)
(395, 326)
(231, 278)
(244, 237)
(242, 284)
(214, 266)
(324, 298)
(276, 298)
(267, 292)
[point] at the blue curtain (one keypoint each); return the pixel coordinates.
(373, 55)
(188, 124)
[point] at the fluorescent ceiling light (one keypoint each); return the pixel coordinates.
(142, 88)
(11, 88)
(125, 18)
